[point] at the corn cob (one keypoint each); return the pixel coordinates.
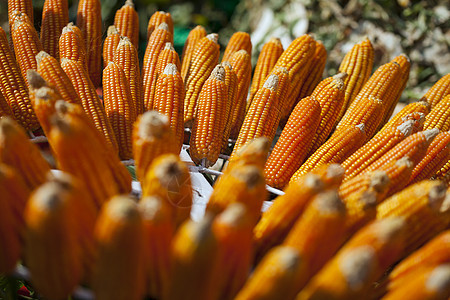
(168, 177)
(195, 270)
(89, 20)
(157, 19)
(168, 55)
(438, 91)
(55, 15)
(159, 230)
(439, 117)
(112, 40)
(422, 107)
(362, 260)
(126, 21)
(254, 153)
(194, 36)
(119, 107)
(72, 44)
(244, 184)
(209, 123)
(375, 148)
(335, 150)
(5, 110)
(357, 63)
(238, 41)
(24, 6)
(377, 181)
(233, 231)
(89, 98)
(52, 241)
(276, 222)
(330, 95)
(156, 42)
(321, 221)
(204, 59)
(265, 106)
(119, 223)
(267, 59)
(292, 146)
(231, 83)
(282, 90)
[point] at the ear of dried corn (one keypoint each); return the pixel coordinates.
(157, 19)
(238, 41)
(72, 44)
(126, 21)
(194, 36)
(438, 91)
(55, 15)
(110, 44)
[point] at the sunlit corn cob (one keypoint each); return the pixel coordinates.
(194, 36)
(282, 92)
(232, 86)
(204, 59)
(126, 21)
(335, 150)
(209, 123)
(168, 55)
(321, 221)
(126, 56)
(439, 116)
(155, 45)
(168, 178)
(415, 107)
(119, 271)
(438, 91)
(5, 110)
(89, 20)
(72, 44)
(195, 262)
(244, 184)
(17, 151)
(264, 107)
(24, 6)
(159, 229)
(119, 107)
(375, 148)
(330, 95)
(254, 153)
(89, 98)
(361, 261)
(233, 231)
(267, 59)
(293, 145)
(52, 241)
(55, 15)
(357, 63)
(157, 19)
(238, 41)
(276, 222)
(110, 44)
(275, 276)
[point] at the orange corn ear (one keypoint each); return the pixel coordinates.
(24, 6)
(159, 230)
(168, 55)
(156, 42)
(254, 153)
(375, 148)
(194, 36)
(110, 45)
(438, 91)
(238, 41)
(357, 63)
(439, 116)
(244, 184)
(438, 154)
(5, 110)
(17, 151)
(195, 262)
(89, 98)
(292, 146)
(119, 223)
(233, 231)
(126, 21)
(267, 59)
(55, 15)
(168, 178)
(231, 83)
(335, 150)
(157, 19)
(412, 108)
(361, 261)
(276, 222)
(330, 95)
(89, 20)
(72, 45)
(282, 91)
(169, 100)
(204, 59)
(119, 107)
(209, 123)
(152, 137)
(279, 271)
(242, 65)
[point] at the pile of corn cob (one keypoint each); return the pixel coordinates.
(360, 216)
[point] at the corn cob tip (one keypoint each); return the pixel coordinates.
(150, 206)
(163, 26)
(218, 73)
(35, 80)
(289, 257)
(335, 171)
(168, 169)
(169, 46)
(406, 127)
(152, 124)
(170, 69)
(213, 37)
(129, 3)
(425, 103)
(227, 64)
(329, 202)
(234, 214)
(313, 182)
(389, 228)
(379, 181)
(271, 82)
(61, 107)
(67, 29)
(361, 127)
(201, 230)
(251, 175)
(112, 30)
(43, 92)
(436, 196)
(368, 199)
(404, 161)
(48, 196)
(356, 266)
(439, 279)
(40, 56)
(405, 56)
(122, 208)
(123, 40)
(275, 40)
(340, 76)
(430, 134)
